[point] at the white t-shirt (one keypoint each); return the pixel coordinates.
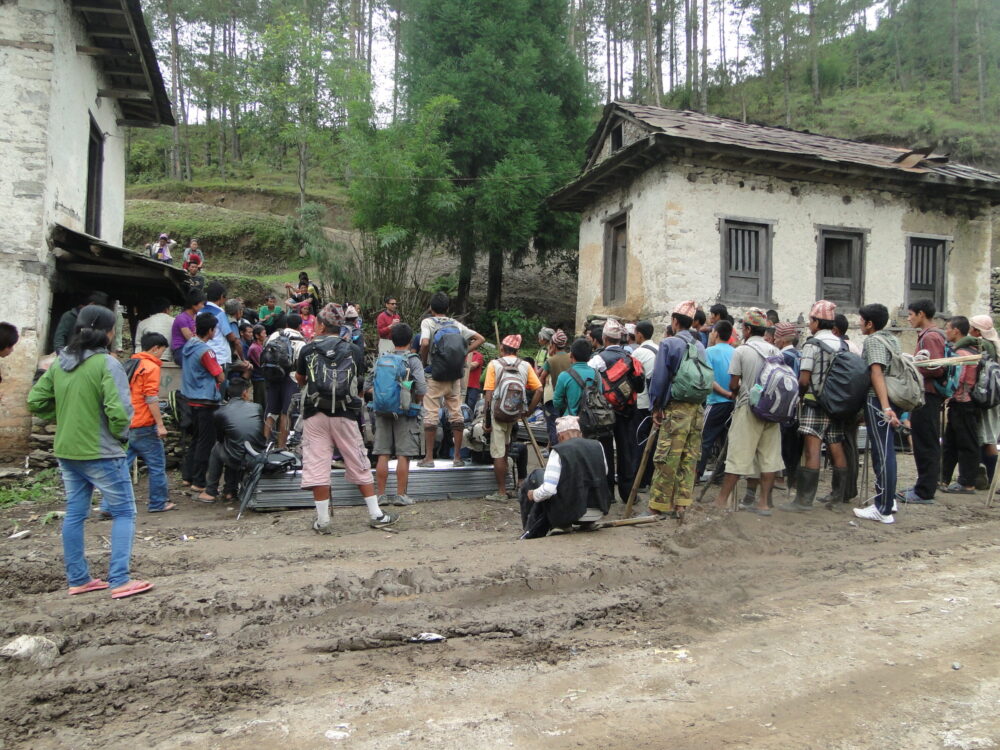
(297, 343)
(646, 354)
(430, 326)
(159, 323)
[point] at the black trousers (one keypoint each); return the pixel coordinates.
(202, 433)
(713, 432)
(961, 443)
(218, 461)
(619, 452)
(643, 422)
(925, 425)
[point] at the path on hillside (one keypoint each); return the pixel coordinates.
(805, 631)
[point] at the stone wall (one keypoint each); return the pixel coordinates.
(675, 211)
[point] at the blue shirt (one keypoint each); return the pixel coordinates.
(668, 360)
(719, 357)
(566, 397)
(219, 344)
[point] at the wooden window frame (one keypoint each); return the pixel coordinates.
(765, 271)
(940, 292)
(614, 285)
(617, 137)
(95, 179)
(857, 279)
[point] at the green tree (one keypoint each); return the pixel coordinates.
(519, 127)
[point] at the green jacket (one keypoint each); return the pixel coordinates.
(88, 395)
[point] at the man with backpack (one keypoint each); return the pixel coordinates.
(820, 354)
(509, 380)
(754, 442)
(570, 385)
(622, 380)
(556, 362)
(328, 368)
(882, 354)
(786, 337)
(720, 403)
(989, 432)
(444, 344)
(681, 381)
(277, 360)
(397, 386)
(925, 422)
(961, 435)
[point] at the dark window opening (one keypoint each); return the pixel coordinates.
(617, 137)
(841, 265)
(746, 262)
(926, 270)
(615, 262)
(95, 180)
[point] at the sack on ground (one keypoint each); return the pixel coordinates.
(510, 399)
(693, 381)
(774, 396)
(596, 415)
(845, 383)
(447, 355)
(277, 358)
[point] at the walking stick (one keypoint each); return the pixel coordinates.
(534, 443)
(719, 460)
(993, 489)
(864, 466)
(650, 441)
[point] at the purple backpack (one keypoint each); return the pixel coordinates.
(774, 397)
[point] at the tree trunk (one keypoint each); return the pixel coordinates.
(494, 280)
(980, 60)
(658, 27)
(897, 55)
(814, 52)
(466, 265)
(703, 88)
(652, 67)
(787, 71)
(956, 84)
(607, 58)
(723, 69)
(175, 148)
(395, 60)
(303, 151)
(765, 24)
(673, 44)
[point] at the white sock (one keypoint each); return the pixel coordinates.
(323, 511)
(374, 512)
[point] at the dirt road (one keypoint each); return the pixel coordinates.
(740, 632)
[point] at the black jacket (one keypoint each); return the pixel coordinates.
(237, 422)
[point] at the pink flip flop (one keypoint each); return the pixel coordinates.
(95, 584)
(131, 589)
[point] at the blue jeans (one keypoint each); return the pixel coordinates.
(110, 476)
(882, 444)
(143, 442)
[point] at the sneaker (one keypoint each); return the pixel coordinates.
(404, 500)
(871, 513)
(322, 528)
(386, 519)
(496, 497)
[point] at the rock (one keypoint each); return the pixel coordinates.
(956, 665)
(51, 429)
(32, 648)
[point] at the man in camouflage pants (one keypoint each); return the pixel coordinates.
(679, 445)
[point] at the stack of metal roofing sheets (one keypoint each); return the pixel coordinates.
(442, 482)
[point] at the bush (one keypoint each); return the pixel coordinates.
(508, 322)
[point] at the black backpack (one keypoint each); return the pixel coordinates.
(277, 358)
(448, 350)
(596, 416)
(331, 375)
(845, 384)
(131, 368)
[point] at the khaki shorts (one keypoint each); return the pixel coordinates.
(754, 445)
(452, 395)
(320, 434)
(398, 436)
(500, 438)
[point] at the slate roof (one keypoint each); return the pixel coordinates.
(801, 155)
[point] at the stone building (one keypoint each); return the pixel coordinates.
(678, 205)
(73, 77)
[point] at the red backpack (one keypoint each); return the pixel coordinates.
(622, 380)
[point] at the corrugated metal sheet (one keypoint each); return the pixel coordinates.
(443, 482)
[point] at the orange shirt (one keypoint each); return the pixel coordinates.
(533, 383)
(145, 382)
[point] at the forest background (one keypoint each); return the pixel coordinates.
(394, 129)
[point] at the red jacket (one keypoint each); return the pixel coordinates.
(384, 323)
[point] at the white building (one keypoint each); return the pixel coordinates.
(678, 205)
(73, 76)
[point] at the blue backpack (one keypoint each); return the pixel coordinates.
(390, 395)
(947, 384)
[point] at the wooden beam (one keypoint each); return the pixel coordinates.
(140, 95)
(19, 44)
(98, 9)
(98, 269)
(83, 49)
(145, 68)
(111, 34)
(132, 123)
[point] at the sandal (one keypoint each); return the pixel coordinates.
(957, 489)
(95, 584)
(425, 464)
(131, 589)
(164, 509)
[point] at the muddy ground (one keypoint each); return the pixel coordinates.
(801, 631)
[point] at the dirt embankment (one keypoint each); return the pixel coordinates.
(807, 631)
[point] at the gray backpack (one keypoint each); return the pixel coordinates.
(903, 382)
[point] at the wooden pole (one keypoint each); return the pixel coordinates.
(632, 521)
(654, 433)
(534, 443)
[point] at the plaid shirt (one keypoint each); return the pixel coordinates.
(878, 350)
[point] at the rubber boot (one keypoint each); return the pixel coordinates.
(806, 484)
(837, 490)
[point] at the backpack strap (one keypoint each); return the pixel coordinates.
(650, 347)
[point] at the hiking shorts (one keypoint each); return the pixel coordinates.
(278, 396)
(398, 436)
(816, 422)
(754, 445)
(500, 438)
(451, 392)
(320, 435)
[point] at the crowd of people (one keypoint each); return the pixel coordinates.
(625, 413)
